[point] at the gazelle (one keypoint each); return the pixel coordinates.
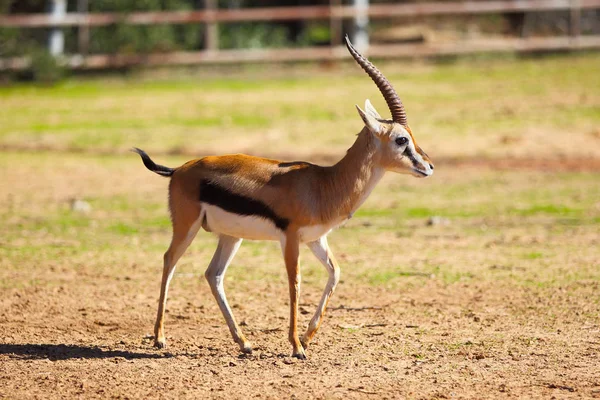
(244, 197)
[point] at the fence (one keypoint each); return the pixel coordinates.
(335, 13)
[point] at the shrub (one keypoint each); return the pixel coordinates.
(45, 67)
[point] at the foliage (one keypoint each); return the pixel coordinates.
(9, 42)
(44, 67)
(315, 33)
(252, 35)
(143, 39)
(127, 39)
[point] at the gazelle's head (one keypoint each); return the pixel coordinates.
(398, 149)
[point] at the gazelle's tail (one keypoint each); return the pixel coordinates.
(152, 166)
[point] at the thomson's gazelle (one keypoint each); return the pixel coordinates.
(243, 197)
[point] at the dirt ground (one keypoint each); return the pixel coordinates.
(79, 325)
(434, 341)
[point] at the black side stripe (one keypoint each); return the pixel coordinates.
(216, 195)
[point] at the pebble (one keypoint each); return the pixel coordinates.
(81, 206)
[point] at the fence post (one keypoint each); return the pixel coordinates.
(575, 20)
(56, 43)
(84, 29)
(335, 24)
(212, 29)
(361, 22)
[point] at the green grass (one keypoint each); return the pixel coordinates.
(533, 256)
(121, 228)
(456, 109)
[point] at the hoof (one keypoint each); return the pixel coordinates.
(299, 356)
(246, 348)
(160, 344)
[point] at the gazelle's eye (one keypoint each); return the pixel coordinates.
(401, 141)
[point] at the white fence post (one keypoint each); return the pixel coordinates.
(56, 45)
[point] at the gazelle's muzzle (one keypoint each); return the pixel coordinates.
(421, 164)
(423, 172)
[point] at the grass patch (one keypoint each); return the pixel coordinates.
(381, 277)
(269, 112)
(121, 228)
(548, 209)
(533, 256)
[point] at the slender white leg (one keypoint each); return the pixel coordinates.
(320, 249)
(215, 274)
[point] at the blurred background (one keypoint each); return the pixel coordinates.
(88, 34)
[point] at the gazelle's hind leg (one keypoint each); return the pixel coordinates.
(215, 275)
(320, 249)
(187, 220)
(290, 254)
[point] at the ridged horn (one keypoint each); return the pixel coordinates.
(385, 87)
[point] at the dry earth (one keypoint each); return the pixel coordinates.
(434, 341)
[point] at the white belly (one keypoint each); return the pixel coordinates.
(256, 228)
(240, 226)
(313, 232)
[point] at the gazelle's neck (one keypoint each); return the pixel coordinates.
(353, 178)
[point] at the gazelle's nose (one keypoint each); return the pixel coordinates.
(430, 165)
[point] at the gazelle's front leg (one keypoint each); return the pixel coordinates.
(321, 250)
(215, 274)
(290, 246)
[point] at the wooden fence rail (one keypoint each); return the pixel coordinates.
(294, 13)
(333, 12)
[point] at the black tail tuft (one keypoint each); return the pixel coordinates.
(151, 165)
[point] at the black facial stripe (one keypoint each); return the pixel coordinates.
(408, 153)
(218, 196)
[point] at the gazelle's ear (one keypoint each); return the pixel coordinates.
(371, 122)
(371, 110)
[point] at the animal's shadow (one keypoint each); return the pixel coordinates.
(55, 352)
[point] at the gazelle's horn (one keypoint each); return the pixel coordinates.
(385, 87)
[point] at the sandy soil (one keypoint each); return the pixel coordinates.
(436, 341)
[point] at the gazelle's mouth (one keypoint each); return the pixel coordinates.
(422, 173)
